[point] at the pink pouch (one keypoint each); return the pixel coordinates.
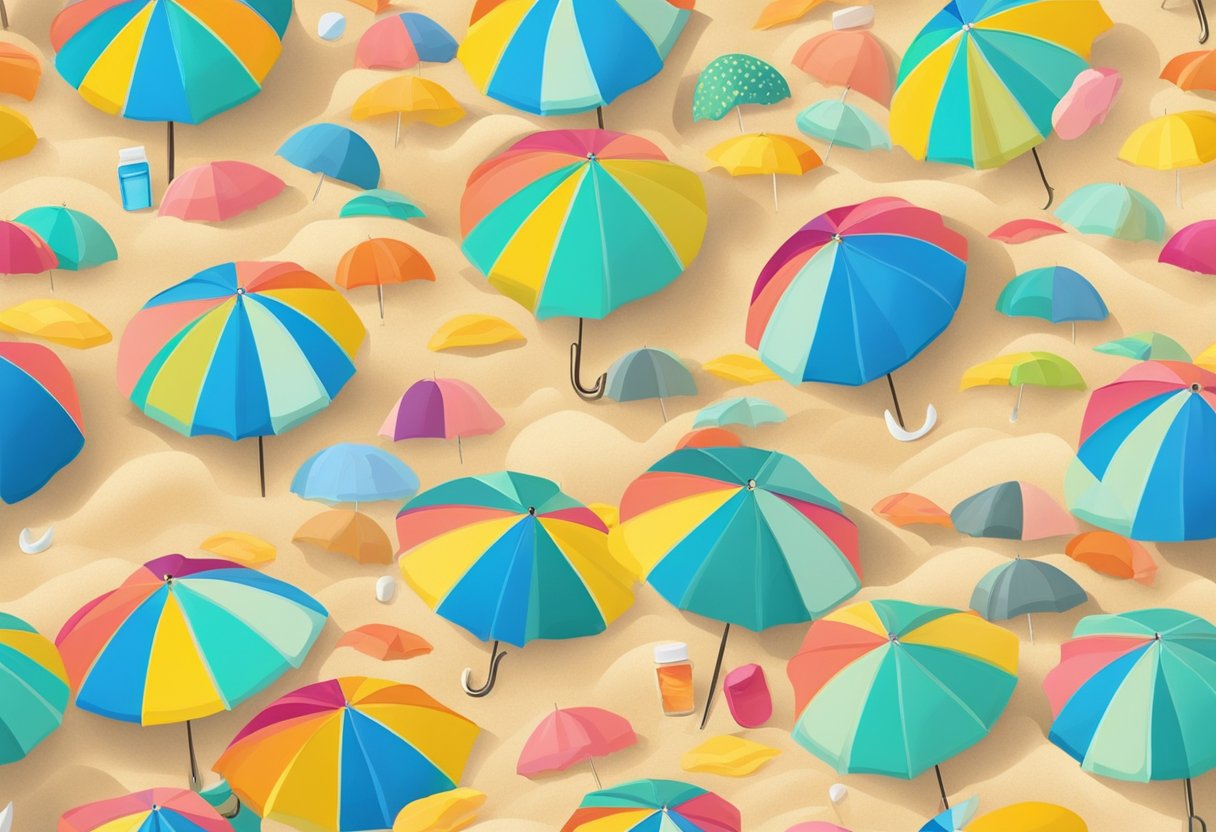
(747, 696)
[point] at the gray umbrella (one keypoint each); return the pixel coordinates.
(1022, 587)
(649, 373)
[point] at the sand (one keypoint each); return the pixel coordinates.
(139, 490)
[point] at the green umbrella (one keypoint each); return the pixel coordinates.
(649, 373)
(1146, 346)
(1022, 587)
(1113, 211)
(731, 80)
(381, 202)
(836, 122)
(742, 410)
(78, 240)
(1037, 368)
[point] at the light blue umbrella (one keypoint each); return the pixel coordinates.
(649, 373)
(954, 819)
(334, 151)
(1146, 346)
(742, 410)
(836, 122)
(78, 240)
(1022, 587)
(1054, 294)
(381, 202)
(350, 472)
(1112, 210)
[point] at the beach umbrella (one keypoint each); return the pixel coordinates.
(649, 373)
(17, 136)
(1029, 816)
(240, 350)
(1023, 587)
(403, 41)
(381, 202)
(1036, 368)
(346, 532)
(855, 294)
(1114, 555)
(1193, 247)
(1192, 70)
(337, 152)
(168, 60)
(20, 71)
(570, 736)
(218, 191)
(56, 321)
(739, 369)
(77, 240)
(409, 98)
(380, 261)
(385, 643)
(978, 84)
(1024, 230)
(1053, 293)
(764, 154)
(1207, 358)
(709, 438)
(730, 81)
(1112, 210)
(152, 810)
(77, 14)
(539, 556)
(954, 819)
(781, 12)
(1132, 697)
(33, 688)
(1172, 142)
(743, 536)
(23, 251)
(836, 123)
(347, 754)
(741, 410)
(351, 472)
(660, 805)
(551, 59)
(441, 408)
(41, 429)
(577, 223)
(1087, 102)
(1012, 510)
(1145, 346)
(1146, 458)
(908, 509)
(895, 688)
(184, 638)
(850, 58)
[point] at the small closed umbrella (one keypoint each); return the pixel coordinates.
(837, 122)
(1113, 554)
(850, 58)
(409, 98)
(153, 810)
(346, 532)
(20, 71)
(334, 151)
(41, 428)
(1055, 294)
(351, 472)
(1012, 510)
(381, 202)
(381, 261)
(23, 251)
(218, 191)
(56, 321)
(441, 408)
(1023, 587)
(730, 81)
(742, 410)
(658, 805)
(1036, 368)
(764, 154)
(17, 136)
(1193, 247)
(33, 688)
(570, 736)
(1172, 142)
(78, 240)
(1145, 346)
(649, 373)
(1111, 210)
(403, 41)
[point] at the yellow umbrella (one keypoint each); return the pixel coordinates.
(16, 134)
(780, 12)
(466, 331)
(741, 369)
(1042, 369)
(1029, 817)
(56, 321)
(409, 97)
(765, 153)
(1172, 142)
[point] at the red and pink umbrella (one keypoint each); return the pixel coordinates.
(22, 251)
(1024, 230)
(218, 191)
(402, 41)
(1192, 248)
(441, 408)
(569, 736)
(147, 811)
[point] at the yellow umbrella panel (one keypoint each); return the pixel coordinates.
(1042, 369)
(1172, 142)
(410, 98)
(756, 154)
(16, 134)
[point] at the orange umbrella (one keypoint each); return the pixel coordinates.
(19, 71)
(347, 532)
(1113, 555)
(709, 438)
(385, 642)
(780, 12)
(1192, 70)
(379, 261)
(849, 58)
(908, 509)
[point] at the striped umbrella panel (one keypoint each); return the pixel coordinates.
(33, 688)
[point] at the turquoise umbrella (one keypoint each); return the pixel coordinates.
(1054, 294)
(33, 688)
(78, 240)
(836, 122)
(337, 152)
(1112, 210)
(1022, 587)
(729, 81)
(240, 817)
(748, 411)
(649, 373)
(1145, 346)
(350, 472)
(381, 202)
(954, 819)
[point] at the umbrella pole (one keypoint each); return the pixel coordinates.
(3, 15)
(1051, 192)
(380, 293)
(776, 207)
(739, 113)
(1074, 332)
(1191, 817)
(194, 780)
(262, 464)
(599, 116)
(170, 124)
(713, 684)
(663, 408)
(1017, 405)
(941, 787)
(1030, 627)
(320, 182)
(397, 135)
(50, 272)
(460, 449)
(595, 773)
(899, 416)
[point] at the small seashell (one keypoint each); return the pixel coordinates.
(837, 793)
(853, 17)
(33, 546)
(386, 589)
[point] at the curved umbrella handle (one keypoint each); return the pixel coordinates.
(495, 658)
(589, 394)
(1051, 192)
(903, 435)
(1203, 29)
(1191, 824)
(233, 812)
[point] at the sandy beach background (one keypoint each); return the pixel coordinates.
(139, 490)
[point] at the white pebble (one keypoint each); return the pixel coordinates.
(837, 793)
(853, 17)
(386, 589)
(331, 26)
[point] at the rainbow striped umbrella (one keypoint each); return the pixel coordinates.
(895, 688)
(552, 58)
(154, 810)
(33, 688)
(170, 60)
(579, 222)
(184, 638)
(654, 806)
(1146, 464)
(511, 558)
(347, 754)
(239, 350)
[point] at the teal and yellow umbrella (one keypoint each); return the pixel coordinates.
(33, 688)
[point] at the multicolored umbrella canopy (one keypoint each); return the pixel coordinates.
(645, 805)
(741, 410)
(441, 408)
(33, 688)
(1037, 368)
(730, 81)
(41, 405)
(895, 688)
(1146, 346)
(649, 373)
(1112, 210)
(1012, 511)
(1053, 293)
(569, 736)
(153, 810)
(352, 472)
(218, 191)
(1023, 587)
(17, 136)
(954, 819)
(838, 122)
(849, 58)
(1193, 247)
(347, 754)
(509, 557)
(381, 202)
(78, 240)
(20, 71)
(1114, 555)
(334, 151)
(1145, 461)
(402, 41)
(553, 58)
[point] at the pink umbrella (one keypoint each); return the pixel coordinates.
(1024, 230)
(22, 251)
(1087, 102)
(574, 735)
(151, 809)
(1193, 248)
(849, 58)
(441, 408)
(405, 40)
(218, 190)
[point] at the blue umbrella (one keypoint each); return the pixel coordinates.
(381, 202)
(741, 410)
(350, 472)
(649, 373)
(40, 425)
(1021, 587)
(337, 152)
(954, 819)
(1054, 294)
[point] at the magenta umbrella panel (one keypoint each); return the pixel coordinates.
(441, 408)
(1193, 248)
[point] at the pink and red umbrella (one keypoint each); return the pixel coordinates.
(1024, 230)
(22, 251)
(569, 736)
(441, 408)
(849, 58)
(1192, 248)
(1087, 102)
(218, 191)
(147, 811)
(402, 41)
